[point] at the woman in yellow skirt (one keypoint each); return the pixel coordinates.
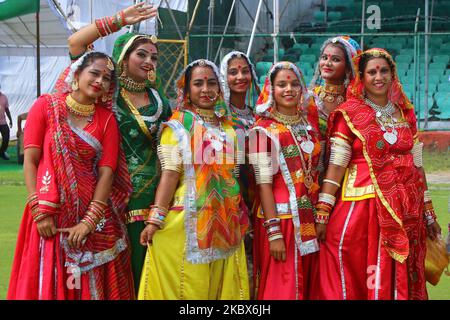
(196, 227)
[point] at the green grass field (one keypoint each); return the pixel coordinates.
(13, 195)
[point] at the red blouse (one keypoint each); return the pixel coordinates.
(103, 127)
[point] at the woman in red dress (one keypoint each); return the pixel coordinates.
(285, 150)
(72, 241)
(373, 243)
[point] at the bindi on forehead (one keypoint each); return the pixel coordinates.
(289, 77)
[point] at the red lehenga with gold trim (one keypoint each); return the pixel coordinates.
(48, 269)
(375, 239)
(295, 187)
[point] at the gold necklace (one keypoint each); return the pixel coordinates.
(286, 119)
(208, 115)
(79, 109)
(332, 92)
(132, 85)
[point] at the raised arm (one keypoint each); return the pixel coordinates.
(80, 40)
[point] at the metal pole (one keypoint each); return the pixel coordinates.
(194, 15)
(225, 30)
(91, 11)
(174, 20)
(38, 55)
(426, 62)
(61, 12)
(416, 44)
(258, 11)
(326, 11)
(363, 22)
(210, 26)
(276, 29)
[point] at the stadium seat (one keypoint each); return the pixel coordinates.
(316, 47)
(404, 58)
(290, 57)
(437, 67)
(307, 58)
(311, 51)
(443, 87)
(394, 46)
(334, 16)
(304, 66)
(262, 68)
(293, 50)
(319, 17)
(267, 58)
(271, 51)
(301, 46)
(441, 58)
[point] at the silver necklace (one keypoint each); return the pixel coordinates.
(245, 115)
(386, 120)
(216, 135)
(299, 131)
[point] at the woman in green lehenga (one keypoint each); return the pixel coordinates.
(140, 108)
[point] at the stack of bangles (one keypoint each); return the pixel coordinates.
(94, 214)
(273, 228)
(33, 204)
(108, 25)
(157, 216)
(324, 207)
(430, 215)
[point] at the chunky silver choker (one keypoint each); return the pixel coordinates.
(387, 110)
(386, 120)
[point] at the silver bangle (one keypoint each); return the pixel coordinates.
(332, 182)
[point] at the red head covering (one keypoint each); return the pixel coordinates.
(396, 94)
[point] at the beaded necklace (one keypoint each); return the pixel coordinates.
(331, 93)
(132, 85)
